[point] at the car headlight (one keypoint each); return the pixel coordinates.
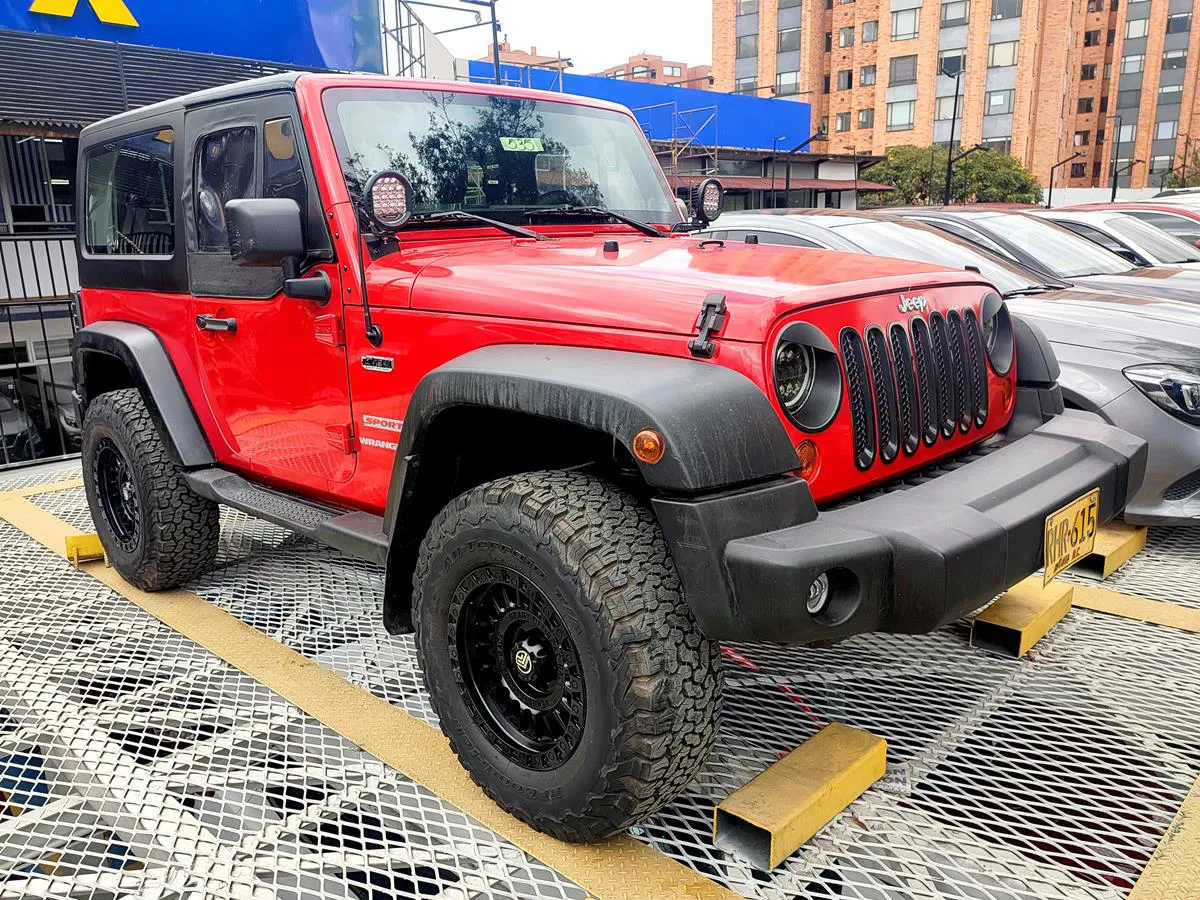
(807, 376)
(1176, 388)
(996, 325)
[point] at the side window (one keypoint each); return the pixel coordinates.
(130, 196)
(1178, 226)
(283, 170)
(1095, 236)
(791, 240)
(224, 172)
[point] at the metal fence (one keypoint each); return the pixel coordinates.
(38, 266)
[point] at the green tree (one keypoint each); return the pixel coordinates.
(984, 176)
(1186, 172)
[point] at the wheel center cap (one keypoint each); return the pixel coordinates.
(523, 661)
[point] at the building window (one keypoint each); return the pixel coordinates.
(900, 115)
(1128, 98)
(842, 121)
(1164, 131)
(905, 24)
(1170, 93)
(1104, 104)
(952, 61)
(1096, 164)
(1179, 23)
(747, 46)
(845, 79)
(1160, 164)
(1107, 71)
(619, 74)
(132, 180)
(1127, 134)
(998, 103)
(789, 40)
(1095, 5)
(903, 70)
(747, 7)
(828, 41)
(1006, 9)
(1174, 59)
(846, 36)
(870, 32)
(789, 4)
(1136, 28)
(1082, 138)
(945, 108)
(866, 118)
(955, 12)
(1091, 38)
(1099, 137)
(787, 84)
(1088, 72)
(1002, 53)
(1132, 64)
(866, 75)
(746, 85)
(640, 72)
(674, 71)
(1002, 145)
(1083, 105)
(1078, 170)
(825, 85)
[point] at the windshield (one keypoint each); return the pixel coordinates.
(1065, 254)
(916, 243)
(498, 156)
(1156, 243)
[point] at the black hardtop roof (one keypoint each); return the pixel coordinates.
(282, 81)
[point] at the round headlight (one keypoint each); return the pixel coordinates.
(989, 335)
(795, 373)
(995, 325)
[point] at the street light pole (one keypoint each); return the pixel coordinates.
(1053, 169)
(774, 158)
(1116, 156)
(818, 135)
(947, 193)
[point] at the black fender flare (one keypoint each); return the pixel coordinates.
(141, 354)
(719, 428)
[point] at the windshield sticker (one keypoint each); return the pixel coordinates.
(522, 144)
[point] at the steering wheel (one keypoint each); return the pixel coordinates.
(559, 196)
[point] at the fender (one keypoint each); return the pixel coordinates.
(138, 351)
(616, 393)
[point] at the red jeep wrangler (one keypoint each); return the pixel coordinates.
(461, 331)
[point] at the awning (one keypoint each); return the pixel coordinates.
(51, 128)
(761, 183)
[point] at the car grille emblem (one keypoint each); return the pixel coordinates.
(913, 303)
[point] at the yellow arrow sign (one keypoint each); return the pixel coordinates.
(111, 12)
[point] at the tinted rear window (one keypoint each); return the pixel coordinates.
(130, 196)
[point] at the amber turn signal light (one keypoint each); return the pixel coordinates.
(1006, 394)
(806, 452)
(648, 446)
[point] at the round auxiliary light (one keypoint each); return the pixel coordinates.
(389, 199)
(649, 446)
(818, 594)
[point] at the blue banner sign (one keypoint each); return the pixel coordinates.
(326, 34)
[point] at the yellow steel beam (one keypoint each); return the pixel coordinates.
(1173, 872)
(1021, 616)
(1157, 612)
(1116, 544)
(765, 821)
(620, 867)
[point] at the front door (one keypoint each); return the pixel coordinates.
(273, 368)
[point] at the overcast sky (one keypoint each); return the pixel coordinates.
(594, 35)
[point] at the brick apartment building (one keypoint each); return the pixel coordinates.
(523, 58)
(656, 70)
(1041, 79)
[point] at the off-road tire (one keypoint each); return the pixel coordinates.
(653, 682)
(177, 531)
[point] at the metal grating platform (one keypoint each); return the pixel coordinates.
(144, 766)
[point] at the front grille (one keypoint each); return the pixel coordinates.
(862, 412)
(884, 384)
(907, 386)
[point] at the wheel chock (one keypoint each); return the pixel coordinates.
(1021, 616)
(83, 548)
(765, 821)
(1116, 544)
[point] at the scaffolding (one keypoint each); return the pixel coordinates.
(684, 129)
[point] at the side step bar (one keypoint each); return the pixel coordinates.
(357, 534)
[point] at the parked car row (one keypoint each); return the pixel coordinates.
(1117, 295)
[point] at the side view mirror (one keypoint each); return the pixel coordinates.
(1128, 255)
(708, 199)
(268, 233)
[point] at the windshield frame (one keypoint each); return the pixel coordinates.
(1080, 246)
(646, 183)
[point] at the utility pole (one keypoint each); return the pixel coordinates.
(818, 135)
(495, 39)
(948, 193)
(1053, 169)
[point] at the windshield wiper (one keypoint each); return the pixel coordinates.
(451, 215)
(598, 211)
(1028, 291)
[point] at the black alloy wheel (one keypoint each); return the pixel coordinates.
(117, 493)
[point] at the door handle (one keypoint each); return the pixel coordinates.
(212, 323)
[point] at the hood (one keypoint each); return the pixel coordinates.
(1150, 328)
(1168, 282)
(646, 284)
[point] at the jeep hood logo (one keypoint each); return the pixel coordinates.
(913, 303)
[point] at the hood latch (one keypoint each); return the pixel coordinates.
(711, 320)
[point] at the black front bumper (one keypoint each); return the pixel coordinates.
(905, 561)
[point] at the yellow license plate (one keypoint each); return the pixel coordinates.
(1070, 534)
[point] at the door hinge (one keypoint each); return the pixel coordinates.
(342, 437)
(329, 330)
